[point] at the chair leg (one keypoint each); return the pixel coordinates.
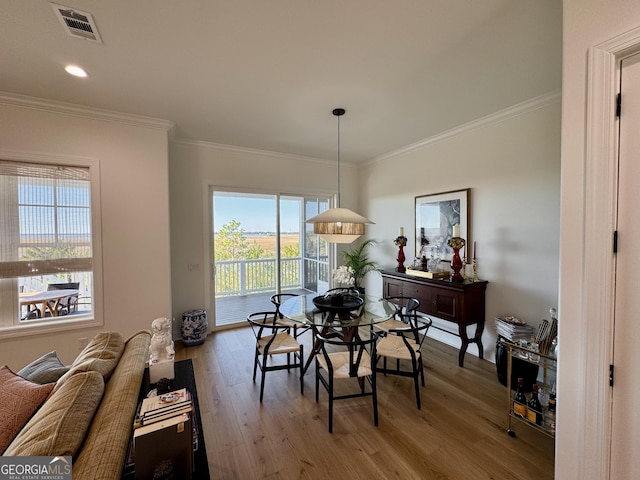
(264, 373)
(415, 383)
(301, 357)
(374, 395)
(417, 372)
(330, 405)
(255, 366)
(317, 382)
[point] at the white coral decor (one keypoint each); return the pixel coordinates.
(343, 275)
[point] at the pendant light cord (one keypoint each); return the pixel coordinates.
(338, 198)
(338, 112)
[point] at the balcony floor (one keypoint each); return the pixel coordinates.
(234, 310)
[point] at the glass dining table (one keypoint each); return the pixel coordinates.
(331, 319)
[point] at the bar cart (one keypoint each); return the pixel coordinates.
(548, 365)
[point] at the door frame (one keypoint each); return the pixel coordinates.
(600, 200)
(207, 222)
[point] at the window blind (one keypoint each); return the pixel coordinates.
(45, 219)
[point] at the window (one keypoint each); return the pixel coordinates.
(46, 245)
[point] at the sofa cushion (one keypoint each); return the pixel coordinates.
(102, 354)
(106, 443)
(58, 428)
(18, 400)
(46, 369)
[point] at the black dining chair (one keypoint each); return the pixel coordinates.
(272, 340)
(278, 299)
(348, 357)
(404, 344)
(404, 306)
(68, 304)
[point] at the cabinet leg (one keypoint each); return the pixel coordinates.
(462, 332)
(478, 339)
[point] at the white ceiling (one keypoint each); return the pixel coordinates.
(266, 74)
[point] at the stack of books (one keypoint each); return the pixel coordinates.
(162, 407)
(513, 329)
(163, 436)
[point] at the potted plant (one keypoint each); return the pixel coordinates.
(359, 263)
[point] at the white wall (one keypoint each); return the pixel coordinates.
(586, 23)
(133, 158)
(196, 165)
(511, 162)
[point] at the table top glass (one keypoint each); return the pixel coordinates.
(302, 309)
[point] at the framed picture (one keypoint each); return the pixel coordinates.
(436, 216)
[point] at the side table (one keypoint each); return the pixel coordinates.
(184, 378)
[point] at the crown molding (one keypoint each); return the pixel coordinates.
(499, 116)
(219, 147)
(64, 108)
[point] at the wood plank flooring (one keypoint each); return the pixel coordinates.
(460, 433)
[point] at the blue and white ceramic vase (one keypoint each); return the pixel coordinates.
(194, 327)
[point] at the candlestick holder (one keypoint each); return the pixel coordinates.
(400, 258)
(475, 270)
(456, 243)
(400, 241)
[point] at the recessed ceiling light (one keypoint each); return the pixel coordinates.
(75, 71)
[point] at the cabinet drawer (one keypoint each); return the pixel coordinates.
(392, 289)
(446, 305)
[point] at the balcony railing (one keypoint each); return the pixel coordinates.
(243, 277)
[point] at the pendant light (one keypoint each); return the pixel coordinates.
(338, 225)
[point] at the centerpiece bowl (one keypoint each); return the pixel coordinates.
(338, 302)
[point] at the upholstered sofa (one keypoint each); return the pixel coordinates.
(88, 412)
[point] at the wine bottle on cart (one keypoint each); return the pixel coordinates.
(520, 401)
(534, 408)
(551, 414)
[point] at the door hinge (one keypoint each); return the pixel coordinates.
(611, 375)
(615, 241)
(618, 104)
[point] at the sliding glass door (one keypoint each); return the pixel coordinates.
(261, 246)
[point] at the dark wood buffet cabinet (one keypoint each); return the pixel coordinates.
(460, 303)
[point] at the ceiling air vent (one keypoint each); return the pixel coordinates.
(77, 23)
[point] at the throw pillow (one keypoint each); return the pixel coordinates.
(20, 398)
(101, 355)
(60, 425)
(46, 369)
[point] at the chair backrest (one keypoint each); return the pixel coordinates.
(404, 306)
(64, 286)
(279, 298)
(354, 345)
(264, 328)
(261, 321)
(67, 301)
(31, 315)
(418, 326)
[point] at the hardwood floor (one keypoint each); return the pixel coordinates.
(460, 433)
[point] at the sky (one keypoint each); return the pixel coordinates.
(256, 213)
